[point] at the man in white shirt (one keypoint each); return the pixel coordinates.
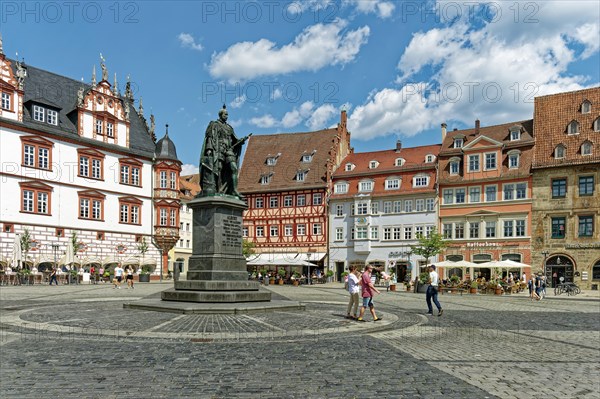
(432, 292)
(353, 289)
(118, 276)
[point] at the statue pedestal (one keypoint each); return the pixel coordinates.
(217, 269)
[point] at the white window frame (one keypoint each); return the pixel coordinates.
(273, 231)
(392, 184)
(288, 230)
(429, 158)
(513, 160)
(99, 126)
(39, 113)
(259, 202)
(495, 193)
(339, 234)
(365, 186)
(471, 199)
(288, 201)
(559, 151)
(52, 117)
(374, 232)
(399, 161)
(301, 176)
(421, 181)
(260, 231)
(301, 200)
(489, 156)
(586, 149)
(455, 167)
(301, 229)
(458, 142)
(473, 157)
(430, 204)
(515, 135)
(373, 164)
(110, 129)
(317, 199)
(339, 210)
(341, 188)
(317, 229)
(6, 101)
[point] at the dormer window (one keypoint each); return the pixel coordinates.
(458, 142)
(421, 181)
(559, 151)
(341, 188)
(573, 128)
(307, 157)
(271, 161)
(586, 107)
(586, 148)
(301, 175)
(373, 164)
(349, 167)
(365, 186)
(392, 183)
(52, 117)
(41, 114)
(99, 125)
(399, 161)
(596, 126)
(454, 166)
(515, 134)
(513, 159)
(266, 179)
(429, 158)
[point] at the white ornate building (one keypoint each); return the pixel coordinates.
(79, 158)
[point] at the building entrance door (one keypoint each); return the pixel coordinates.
(339, 269)
(562, 266)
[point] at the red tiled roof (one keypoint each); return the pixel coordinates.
(499, 133)
(190, 183)
(552, 114)
(289, 149)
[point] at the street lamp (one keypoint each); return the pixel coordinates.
(545, 253)
(55, 248)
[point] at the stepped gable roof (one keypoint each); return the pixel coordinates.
(552, 115)
(165, 149)
(414, 158)
(288, 149)
(60, 92)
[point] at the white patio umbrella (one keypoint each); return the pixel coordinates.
(17, 252)
(70, 255)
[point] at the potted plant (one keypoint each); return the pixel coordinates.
(473, 289)
(454, 279)
(295, 279)
(423, 282)
(144, 276)
(106, 276)
(329, 275)
(265, 278)
(281, 273)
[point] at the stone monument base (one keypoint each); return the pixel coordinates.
(158, 305)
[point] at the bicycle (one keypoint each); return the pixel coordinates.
(568, 288)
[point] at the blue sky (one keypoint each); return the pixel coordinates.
(400, 69)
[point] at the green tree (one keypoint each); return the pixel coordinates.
(429, 246)
(143, 248)
(76, 243)
(247, 248)
(25, 244)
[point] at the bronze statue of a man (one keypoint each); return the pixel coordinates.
(220, 158)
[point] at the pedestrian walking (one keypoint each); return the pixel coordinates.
(368, 291)
(543, 286)
(118, 276)
(354, 290)
(432, 292)
(532, 288)
(53, 276)
(129, 276)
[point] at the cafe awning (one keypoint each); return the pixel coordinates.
(278, 259)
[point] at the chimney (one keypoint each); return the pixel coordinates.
(398, 145)
(444, 126)
(477, 126)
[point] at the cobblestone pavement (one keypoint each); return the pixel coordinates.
(79, 342)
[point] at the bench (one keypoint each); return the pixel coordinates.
(451, 290)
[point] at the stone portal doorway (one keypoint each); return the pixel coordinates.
(557, 267)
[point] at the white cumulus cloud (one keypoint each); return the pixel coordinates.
(188, 169)
(314, 48)
(188, 40)
(383, 9)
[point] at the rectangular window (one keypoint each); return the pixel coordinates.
(29, 155)
(96, 209)
(521, 190)
(387, 207)
(418, 231)
(43, 157)
(274, 231)
(387, 233)
(173, 218)
(124, 174)
(508, 228)
(490, 193)
(339, 233)
(245, 232)
(259, 202)
(341, 188)
(300, 176)
(454, 168)
(408, 206)
(520, 228)
(374, 208)
(397, 206)
(187, 227)
(124, 216)
(110, 129)
(586, 226)
(448, 196)
(421, 181)
(317, 229)
(301, 230)
(352, 209)
(509, 192)
(317, 199)
(459, 230)
(99, 125)
(392, 184)
(84, 163)
(288, 201)
(474, 230)
(5, 101)
(288, 230)
(39, 114)
(52, 117)
(187, 243)
(490, 229)
(361, 233)
(397, 233)
(96, 168)
(273, 202)
(408, 231)
(586, 185)
(374, 232)
(135, 214)
(266, 179)
(173, 181)
(513, 161)
(490, 161)
(366, 186)
(163, 217)
(459, 195)
(301, 200)
(475, 194)
(474, 163)
(260, 231)
(559, 188)
(135, 176)
(339, 210)
(430, 204)
(84, 208)
(362, 208)
(420, 205)
(447, 230)
(163, 179)
(428, 231)
(559, 227)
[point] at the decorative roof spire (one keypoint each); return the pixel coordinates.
(167, 130)
(141, 108)
(1, 50)
(116, 86)
(104, 70)
(94, 77)
(128, 93)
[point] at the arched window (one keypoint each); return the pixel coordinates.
(559, 151)
(596, 271)
(597, 125)
(513, 257)
(586, 148)
(454, 258)
(573, 127)
(586, 107)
